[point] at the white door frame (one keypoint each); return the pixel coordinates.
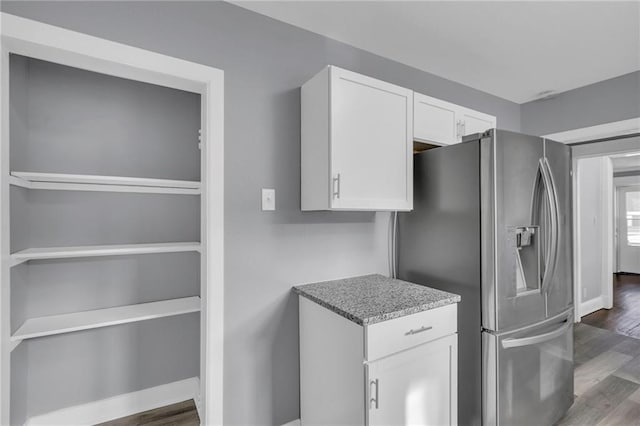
(613, 129)
(605, 300)
(46, 42)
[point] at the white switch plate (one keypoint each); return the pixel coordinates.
(268, 199)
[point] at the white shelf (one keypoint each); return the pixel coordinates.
(68, 323)
(105, 250)
(68, 182)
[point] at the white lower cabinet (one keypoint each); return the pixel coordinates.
(416, 386)
(348, 378)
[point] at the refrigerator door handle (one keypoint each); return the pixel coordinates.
(552, 198)
(540, 338)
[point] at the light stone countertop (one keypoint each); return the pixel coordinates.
(374, 298)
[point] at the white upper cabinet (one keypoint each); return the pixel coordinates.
(434, 120)
(475, 122)
(443, 123)
(356, 151)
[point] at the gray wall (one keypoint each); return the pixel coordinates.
(82, 122)
(603, 102)
(265, 62)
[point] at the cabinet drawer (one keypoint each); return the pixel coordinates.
(387, 337)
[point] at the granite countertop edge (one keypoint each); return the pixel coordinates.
(449, 299)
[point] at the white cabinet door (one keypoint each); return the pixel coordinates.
(475, 122)
(443, 123)
(434, 121)
(357, 143)
(371, 143)
(415, 387)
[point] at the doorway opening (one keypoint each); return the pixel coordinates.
(599, 152)
(622, 198)
(623, 316)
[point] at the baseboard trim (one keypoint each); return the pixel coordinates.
(121, 405)
(591, 306)
(295, 422)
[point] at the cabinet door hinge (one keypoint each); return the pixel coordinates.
(336, 187)
(374, 400)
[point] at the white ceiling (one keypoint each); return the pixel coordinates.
(514, 50)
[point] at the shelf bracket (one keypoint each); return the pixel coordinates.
(14, 262)
(16, 181)
(14, 344)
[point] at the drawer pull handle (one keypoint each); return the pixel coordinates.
(420, 330)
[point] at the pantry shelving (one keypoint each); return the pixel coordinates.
(76, 321)
(74, 182)
(104, 118)
(100, 250)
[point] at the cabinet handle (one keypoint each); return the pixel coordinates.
(336, 186)
(420, 330)
(373, 400)
(464, 127)
(457, 129)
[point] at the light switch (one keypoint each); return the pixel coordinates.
(268, 199)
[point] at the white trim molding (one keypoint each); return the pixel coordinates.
(607, 130)
(608, 233)
(606, 251)
(592, 305)
(626, 181)
(47, 42)
(119, 406)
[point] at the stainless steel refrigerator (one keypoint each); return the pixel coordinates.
(492, 222)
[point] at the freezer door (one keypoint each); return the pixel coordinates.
(520, 231)
(528, 374)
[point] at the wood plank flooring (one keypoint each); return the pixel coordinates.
(180, 414)
(624, 317)
(607, 379)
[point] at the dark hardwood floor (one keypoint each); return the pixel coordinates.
(624, 317)
(180, 414)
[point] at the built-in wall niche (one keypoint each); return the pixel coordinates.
(71, 369)
(105, 231)
(41, 288)
(71, 121)
(78, 218)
